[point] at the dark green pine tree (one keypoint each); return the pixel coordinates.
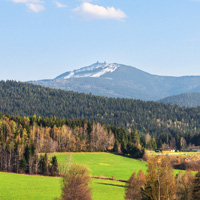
(54, 166)
(196, 187)
(43, 165)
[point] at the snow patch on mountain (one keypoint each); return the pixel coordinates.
(71, 74)
(108, 68)
(96, 70)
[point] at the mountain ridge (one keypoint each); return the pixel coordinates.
(123, 81)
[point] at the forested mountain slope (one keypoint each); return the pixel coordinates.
(147, 117)
(186, 99)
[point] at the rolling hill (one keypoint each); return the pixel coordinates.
(26, 99)
(183, 100)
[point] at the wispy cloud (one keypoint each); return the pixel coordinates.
(60, 5)
(33, 5)
(91, 11)
(86, 0)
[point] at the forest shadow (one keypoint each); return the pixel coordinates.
(111, 184)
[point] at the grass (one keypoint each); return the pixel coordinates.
(18, 187)
(23, 187)
(107, 190)
(105, 164)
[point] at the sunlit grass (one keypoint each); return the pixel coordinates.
(105, 164)
(23, 187)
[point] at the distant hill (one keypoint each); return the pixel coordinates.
(118, 80)
(186, 99)
(147, 117)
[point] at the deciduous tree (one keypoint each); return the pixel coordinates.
(134, 186)
(196, 187)
(160, 180)
(75, 184)
(184, 183)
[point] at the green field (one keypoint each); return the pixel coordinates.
(22, 187)
(19, 187)
(105, 164)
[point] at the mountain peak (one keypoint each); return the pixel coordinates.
(95, 70)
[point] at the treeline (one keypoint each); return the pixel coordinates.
(147, 117)
(23, 138)
(179, 141)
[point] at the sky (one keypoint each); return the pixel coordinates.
(41, 39)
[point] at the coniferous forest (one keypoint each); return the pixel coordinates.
(23, 99)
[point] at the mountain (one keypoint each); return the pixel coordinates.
(117, 80)
(186, 100)
(24, 99)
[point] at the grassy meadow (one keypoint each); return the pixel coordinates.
(19, 187)
(104, 164)
(23, 187)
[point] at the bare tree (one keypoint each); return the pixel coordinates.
(134, 186)
(184, 183)
(75, 184)
(160, 180)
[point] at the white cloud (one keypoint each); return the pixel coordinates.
(33, 5)
(91, 11)
(60, 5)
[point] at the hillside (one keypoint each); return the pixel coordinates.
(147, 117)
(118, 80)
(186, 100)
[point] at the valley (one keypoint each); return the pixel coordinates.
(99, 100)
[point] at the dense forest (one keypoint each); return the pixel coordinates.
(25, 99)
(23, 138)
(183, 100)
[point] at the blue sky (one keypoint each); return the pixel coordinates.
(40, 39)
